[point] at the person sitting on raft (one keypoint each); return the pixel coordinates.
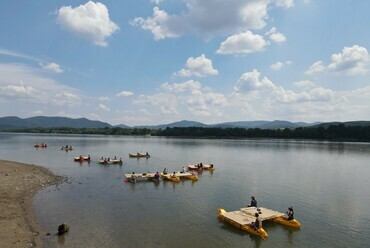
(183, 170)
(174, 174)
(165, 171)
(156, 175)
(257, 224)
(289, 214)
(253, 202)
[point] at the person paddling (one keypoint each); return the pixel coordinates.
(253, 202)
(290, 214)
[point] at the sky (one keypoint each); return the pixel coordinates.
(149, 62)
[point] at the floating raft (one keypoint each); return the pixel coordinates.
(148, 176)
(175, 177)
(244, 217)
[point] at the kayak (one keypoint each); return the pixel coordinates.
(286, 222)
(82, 158)
(139, 155)
(243, 222)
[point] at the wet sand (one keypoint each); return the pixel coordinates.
(18, 184)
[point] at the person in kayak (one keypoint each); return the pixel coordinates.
(289, 214)
(253, 202)
(257, 224)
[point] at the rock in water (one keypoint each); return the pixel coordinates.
(63, 228)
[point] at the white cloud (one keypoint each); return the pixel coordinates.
(189, 85)
(159, 24)
(277, 66)
(209, 17)
(352, 61)
(22, 83)
(275, 36)
(188, 98)
(315, 68)
(284, 3)
(53, 67)
(125, 94)
(250, 81)
(304, 84)
(156, 1)
(199, 67)
(246, 42)
(90, 21)
(103, 107)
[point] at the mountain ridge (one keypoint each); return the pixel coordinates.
(14, 122)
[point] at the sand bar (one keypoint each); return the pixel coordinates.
(18, 184)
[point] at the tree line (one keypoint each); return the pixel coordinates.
(332, 132)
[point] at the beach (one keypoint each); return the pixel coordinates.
(19, 183)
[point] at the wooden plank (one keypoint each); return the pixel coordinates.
(239, 217)
(264, 213)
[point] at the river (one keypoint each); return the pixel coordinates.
(326, 182)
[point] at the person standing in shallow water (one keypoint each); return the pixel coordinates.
(253, 202)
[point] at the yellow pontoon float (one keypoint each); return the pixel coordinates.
(175, 177)
(245, 216)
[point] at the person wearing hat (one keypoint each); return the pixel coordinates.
(257, 224)
(253, 202)
(290, 214)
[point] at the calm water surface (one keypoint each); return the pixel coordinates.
(326, 183)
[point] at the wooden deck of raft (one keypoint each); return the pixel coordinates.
(245, 216)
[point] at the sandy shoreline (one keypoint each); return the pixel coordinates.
(19, 183)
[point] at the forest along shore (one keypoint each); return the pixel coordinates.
(18, 184)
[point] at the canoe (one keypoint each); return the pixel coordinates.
(66, 149)
(209, 167)
(41, 145)
(139, 155)
(82, 158)
(111, 161)
(292, 223)
(242, 221)
(169, 177)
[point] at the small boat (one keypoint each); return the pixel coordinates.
(209, 167)
(139, 155)
(66, 148)
(41, 145)
(200, 166)
(132, 178)
(243, 221)
(111, 161)
(82, 158)
(284, 221)
(176, 176)
(245, 216)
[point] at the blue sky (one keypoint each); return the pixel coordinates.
(140, 62)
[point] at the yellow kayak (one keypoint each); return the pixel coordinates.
(286, 222)
(246, 227)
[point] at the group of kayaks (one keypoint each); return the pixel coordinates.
(175, 176)
(245, 217)
(102, 160)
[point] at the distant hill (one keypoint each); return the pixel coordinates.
(46, 122)
(183, 123)
(347, 123)
(13, 122)
(245, 124)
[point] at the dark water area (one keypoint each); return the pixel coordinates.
(326, 182)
